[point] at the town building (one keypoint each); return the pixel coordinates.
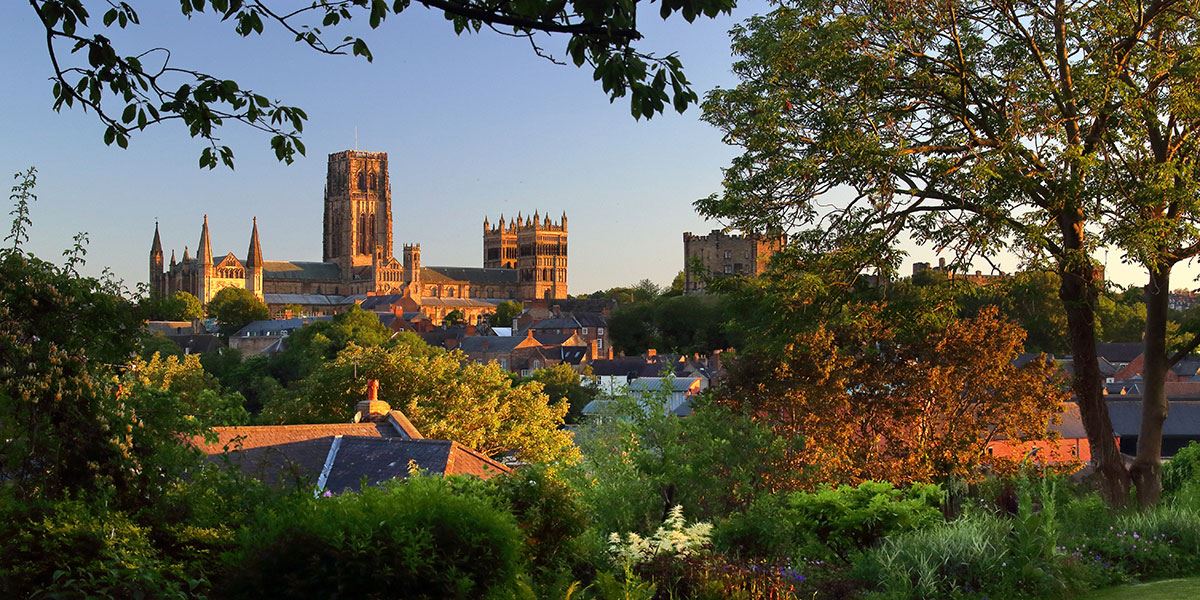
(721, 254)
(357, 258)
(977, 278)
(379, 445)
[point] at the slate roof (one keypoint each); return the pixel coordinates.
(475, 275)
(380, 459)
(553, 339)
(625, 366)
(307, 299)
(345, 453)
(591, 319)
(489, 343)
(384, 301)
(1183, 416)
(566, 322)
(196, 343)
(1119, 352)
(301, 270)
(277, 326)
(455, 302)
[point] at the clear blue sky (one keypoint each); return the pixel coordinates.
(474, 125)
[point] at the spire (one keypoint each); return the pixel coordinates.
(486, 225)
(186, 255)
(156, 247)
(501, 221)
(172, 257)
(254, 257)
(204, 250)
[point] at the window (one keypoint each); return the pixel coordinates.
(599, 331)
(728, 268)
(728, 254)
(585, 331)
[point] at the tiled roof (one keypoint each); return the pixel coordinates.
(591, 319)
(196, 343)
(456, 302)
(556, 339)
(489, 343)
(376, 460)
(622, 367)
(301, 270)
(257, 436)
(475, 275)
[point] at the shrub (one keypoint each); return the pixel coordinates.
(1182, 469)
(415, 538)
(830, 523)
(1161, 542)
(73, 549)
(552, 518)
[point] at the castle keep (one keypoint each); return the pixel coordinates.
(721, 254)
(525, 259)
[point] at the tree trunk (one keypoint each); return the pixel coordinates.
(1078, 291)
(1147, 467)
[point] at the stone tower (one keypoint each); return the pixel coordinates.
(254, 262)
(500, 245)
(157, 277)
(542, 257)
(412, 269)
(358, 209)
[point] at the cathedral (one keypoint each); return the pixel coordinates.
(525, 259)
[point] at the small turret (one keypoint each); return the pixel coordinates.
(564, 220)
(172, 258)
(486, 225)
(187, 255)
(254, 257)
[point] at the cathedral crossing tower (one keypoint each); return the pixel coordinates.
(358, 209)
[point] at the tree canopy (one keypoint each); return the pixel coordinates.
(978, 126)
(235, 308)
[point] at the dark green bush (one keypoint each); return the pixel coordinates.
(830, 523)
(415, 539)
(549, 513)
(74, 549)
(1182, 469)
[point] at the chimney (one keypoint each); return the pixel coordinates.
(372, 409)
(650, 354)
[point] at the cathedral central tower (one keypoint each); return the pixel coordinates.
(358, 208)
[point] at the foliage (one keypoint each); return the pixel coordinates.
(199, 394)
(454, 317)
(561, 382)
(91, 71)
(235, 308)
(551, 517)
(1183, 469)
(180, 306)
(76, 549)
(320, 341)
(831, 523)
(640, 461)
(416, 536)
(506, 311)
(682, 324)
(876, 401)
(445, 395)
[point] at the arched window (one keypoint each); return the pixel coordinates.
(371, 180)
(362, 181)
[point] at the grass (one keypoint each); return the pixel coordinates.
(1168, 589)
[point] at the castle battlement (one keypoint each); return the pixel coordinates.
(523, 223)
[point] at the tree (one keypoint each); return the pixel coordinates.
(454, 317)
(562, 382)
(129, 91)
(445, 395)
(977, 125)
(180, 306)
(199, 394)
(505, 313)
(235, 308)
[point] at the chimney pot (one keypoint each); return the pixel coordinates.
(372, 409)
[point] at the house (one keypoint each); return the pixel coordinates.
(173, 327)
(381, 444)
(258, 336)
(674, 393)
(591, 327)
(524, 353)
(1070, 447)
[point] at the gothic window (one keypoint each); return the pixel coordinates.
(362, 181)
(371, 180)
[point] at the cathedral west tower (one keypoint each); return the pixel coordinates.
(358, 209)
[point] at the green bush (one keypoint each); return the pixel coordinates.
(830, 523)
(1182, 469)
(964, 557)
(73, 549)
(549, 513)
(416, 538)
(1161, 542)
